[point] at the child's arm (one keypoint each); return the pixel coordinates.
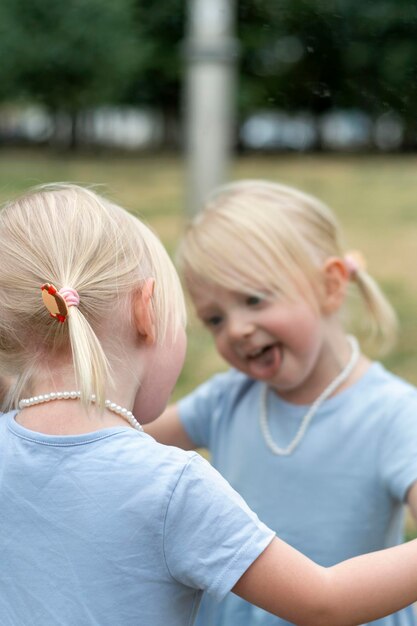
(357, 591)
(168, 429)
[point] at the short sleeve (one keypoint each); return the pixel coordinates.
(198, 409)
(211, 536)
(398, 460)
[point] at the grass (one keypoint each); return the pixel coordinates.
(374, 197)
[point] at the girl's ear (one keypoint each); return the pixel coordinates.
(144, 316)
(336, 278)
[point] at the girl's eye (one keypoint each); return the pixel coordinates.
(214, 320)
(253, 300)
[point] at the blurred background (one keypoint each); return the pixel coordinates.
(148, 99)
(314, 75)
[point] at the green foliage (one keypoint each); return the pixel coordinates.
(310, 55)
(67, 55)
(380, 56)
(160, 36)
(291, 54)
(318, 54)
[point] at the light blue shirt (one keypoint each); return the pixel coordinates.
(342, 490)
(111, 528)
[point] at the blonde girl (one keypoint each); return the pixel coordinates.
(99, 524)
(319, 440)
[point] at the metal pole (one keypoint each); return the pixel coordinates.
(211, 52)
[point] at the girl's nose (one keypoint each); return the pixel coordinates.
(240, 326)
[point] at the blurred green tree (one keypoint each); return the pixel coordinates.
(318, 55)
(157, 82)
(310, 55)
(380, 60)
(291, 54)
(67, 55)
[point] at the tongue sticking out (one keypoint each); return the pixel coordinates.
(265, 364)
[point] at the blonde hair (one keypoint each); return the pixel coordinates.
(70, 236)
(272, 240)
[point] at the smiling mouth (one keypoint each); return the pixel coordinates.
(260, 352)
(264, 362)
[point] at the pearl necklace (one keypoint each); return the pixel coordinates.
(75, 395)
(336, 382)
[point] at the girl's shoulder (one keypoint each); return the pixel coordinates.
(380, 379)
(381, 389)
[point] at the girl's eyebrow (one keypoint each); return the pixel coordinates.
(208, 310)
(204, 311)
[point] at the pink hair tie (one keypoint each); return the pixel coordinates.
(355, 262)
(58, 302)
(70, 296)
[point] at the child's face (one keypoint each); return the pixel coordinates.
(276, 341)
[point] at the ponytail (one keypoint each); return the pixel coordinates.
(91, 366)
(97, 255)
(384, 322)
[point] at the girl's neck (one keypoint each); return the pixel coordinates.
(334, 356)
(62, 418)
(69, 417)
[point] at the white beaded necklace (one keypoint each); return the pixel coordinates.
(75, 395)
(336, 382)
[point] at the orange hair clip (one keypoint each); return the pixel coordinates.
(54, 302)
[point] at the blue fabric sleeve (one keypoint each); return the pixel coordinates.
(197, 410)
(211, 536)
(398, 459)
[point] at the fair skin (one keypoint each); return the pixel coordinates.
(294, 348)
(288, 584)
(281, 580)
(133, 382)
